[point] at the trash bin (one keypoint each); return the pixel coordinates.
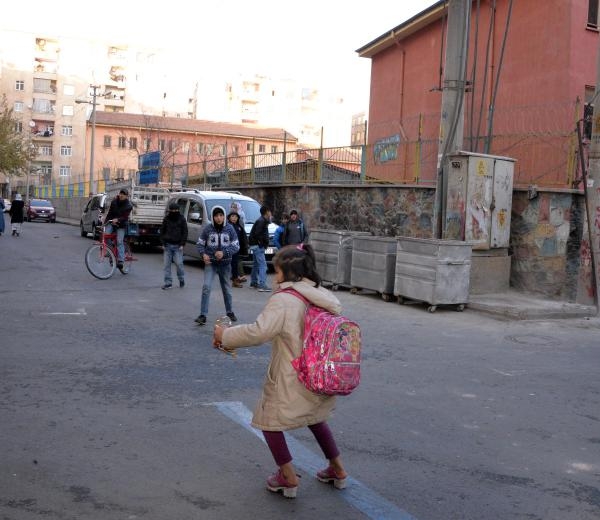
(433, 271)
(333, 254)
(373, 264)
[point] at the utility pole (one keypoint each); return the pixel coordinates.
(93, 139)
(453, 93)
(592, 190)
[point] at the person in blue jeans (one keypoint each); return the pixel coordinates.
(173, 235)
(117, 219)
(259, 241)
(217, 244)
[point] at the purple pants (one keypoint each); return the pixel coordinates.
(279, 449)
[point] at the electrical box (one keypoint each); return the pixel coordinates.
(478, 199)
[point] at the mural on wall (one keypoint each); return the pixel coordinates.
(387, 149)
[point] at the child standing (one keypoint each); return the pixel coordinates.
(236, 266)
(285, 403)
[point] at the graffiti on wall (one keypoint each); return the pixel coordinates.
(387, 149)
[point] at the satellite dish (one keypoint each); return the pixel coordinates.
(31, 124)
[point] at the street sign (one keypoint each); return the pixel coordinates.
(148, 176)
(149, 160)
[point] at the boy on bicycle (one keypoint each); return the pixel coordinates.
(117, 218)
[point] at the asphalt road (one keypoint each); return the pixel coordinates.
(113, 405)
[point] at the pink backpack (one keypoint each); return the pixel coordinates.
(330, 360)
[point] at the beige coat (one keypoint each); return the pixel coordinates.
(285, 403)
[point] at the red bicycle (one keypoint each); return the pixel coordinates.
(101, 258)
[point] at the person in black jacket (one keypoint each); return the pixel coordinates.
(173, 235)
(236, 268)
(16, 214)
(117, 218)
(259, 241)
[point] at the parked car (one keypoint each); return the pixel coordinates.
(40, 209)
(196, 206)
(92, 215)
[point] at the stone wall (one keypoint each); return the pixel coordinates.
(549, 247)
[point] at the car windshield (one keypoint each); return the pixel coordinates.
(41, 203)
(250, 208)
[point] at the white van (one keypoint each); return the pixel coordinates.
(197, 206)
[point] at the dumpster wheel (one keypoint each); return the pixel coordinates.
(386, 297)
(460, 307)
(432, 308)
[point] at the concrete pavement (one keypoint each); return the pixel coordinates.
(512, 304)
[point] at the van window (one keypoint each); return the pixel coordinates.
(251, 208)
(195, 212)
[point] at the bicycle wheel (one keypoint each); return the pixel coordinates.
(128, 258)
(100, 261)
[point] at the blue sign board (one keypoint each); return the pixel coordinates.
(149, 160)
(148, 176)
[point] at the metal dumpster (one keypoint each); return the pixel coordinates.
(433, 271)
(373, 264)
(333, 254)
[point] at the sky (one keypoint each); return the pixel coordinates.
(314, 40)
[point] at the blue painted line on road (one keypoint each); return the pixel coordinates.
(357, 494)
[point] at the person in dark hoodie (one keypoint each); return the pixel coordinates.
(117, 218)
(217, 244)
(236, 267)
(295, 231)
(173, 235)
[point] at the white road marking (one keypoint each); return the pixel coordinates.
(357, 494)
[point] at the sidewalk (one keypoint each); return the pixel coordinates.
(512, 304)
(520, 306)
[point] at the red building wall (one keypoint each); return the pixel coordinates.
(549, 58)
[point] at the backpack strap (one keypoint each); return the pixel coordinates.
(290, 290)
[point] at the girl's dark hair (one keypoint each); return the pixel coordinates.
(297, 262)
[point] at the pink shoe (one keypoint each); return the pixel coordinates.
(329, 475)
(277, 482)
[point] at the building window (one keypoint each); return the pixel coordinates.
(121, 173)
(161, 145)
(19, 127)
(107, 141)
(18, 106)
(47, 150)
(262, 148)
(65, 171)
(67, 110)
(147, 143)
(66, 150)
(248, 147)
(199, 148)
(20, 85)
(185, 147)
(132, 173)
(274, 149)
(133, 143)
(222, 150)
(592, 20)
(46, 170)
(66, 130)
(106, 174)
(171, 146)
(122, 142)
(235, 150)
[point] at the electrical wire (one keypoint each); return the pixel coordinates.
(488, 142)
(474, 75)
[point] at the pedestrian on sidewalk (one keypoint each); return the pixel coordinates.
(2, 208)
(217, 244)
(173, 235)
(237, 269)
(285, 403)
(16, 214)
(259, 241)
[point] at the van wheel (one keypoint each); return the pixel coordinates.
(82, 231)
